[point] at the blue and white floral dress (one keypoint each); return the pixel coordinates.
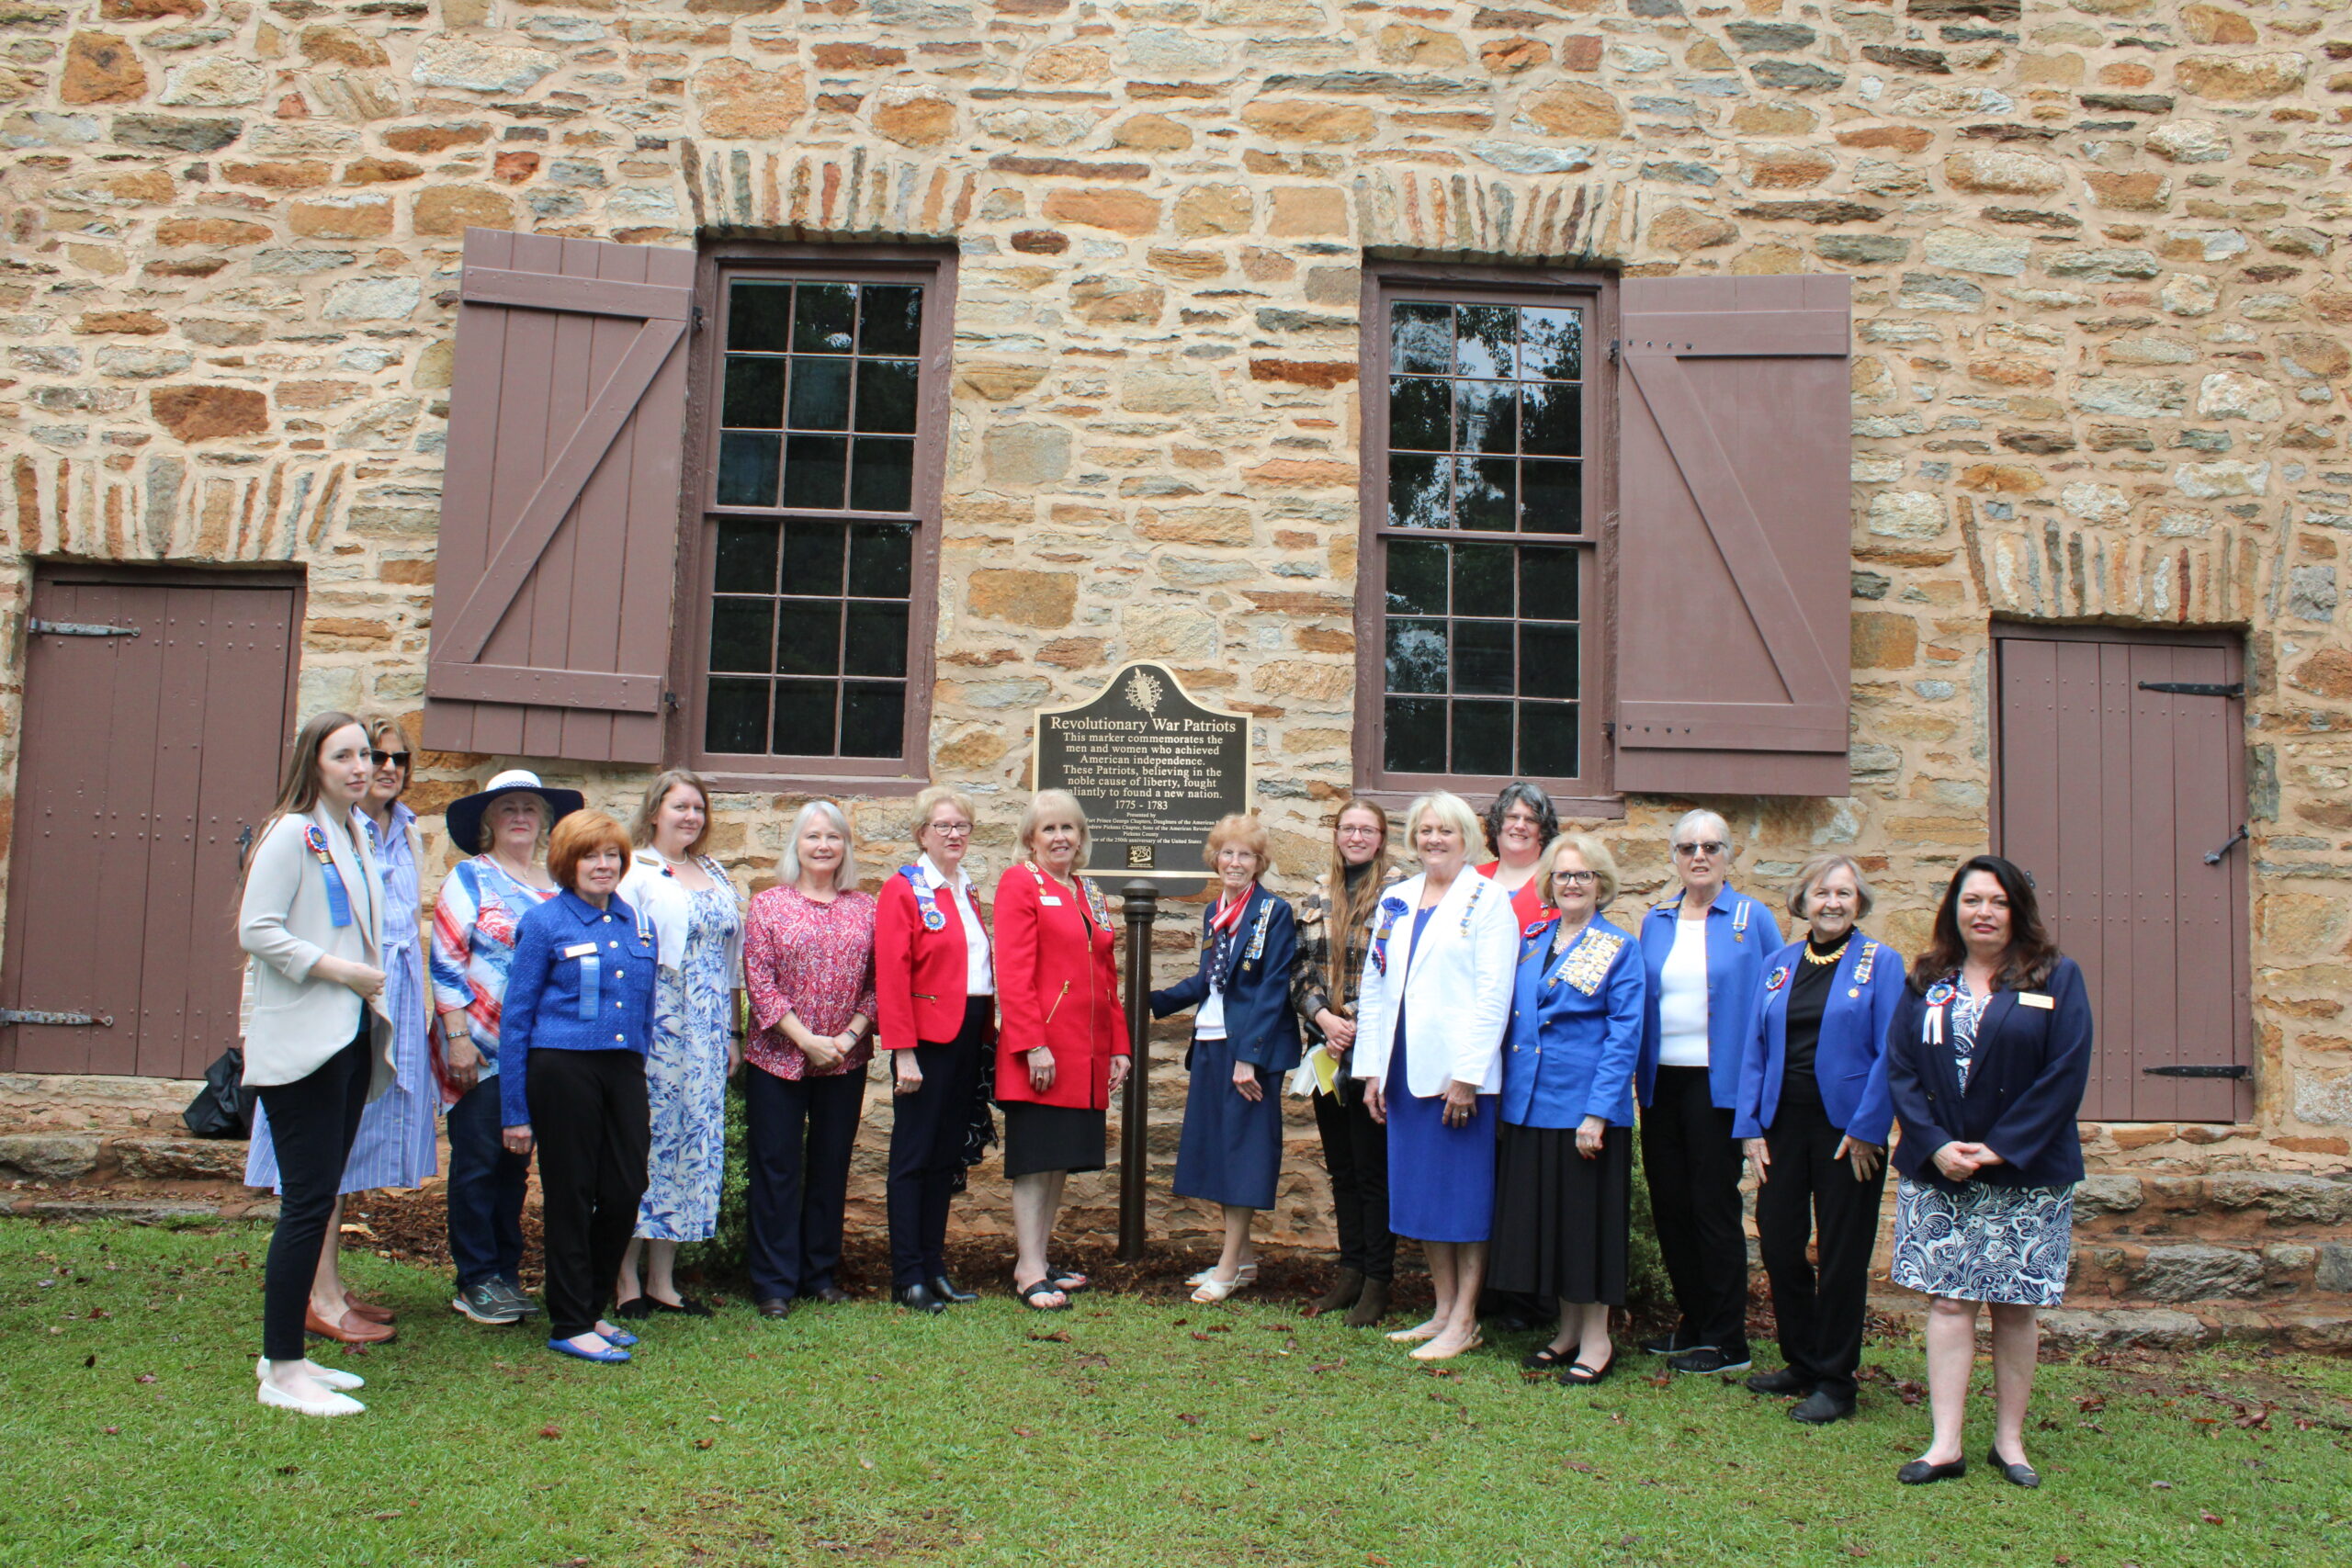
(685, 1074)
(1983, 1243)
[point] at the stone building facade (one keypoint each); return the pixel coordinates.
(2097, 256)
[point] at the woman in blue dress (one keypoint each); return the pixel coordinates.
(395, 1146)
(697, 1044)
(1244, 1038)
(1430, 1014)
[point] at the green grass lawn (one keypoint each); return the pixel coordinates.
(1128, 1430)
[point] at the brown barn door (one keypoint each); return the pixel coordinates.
(157, 707)
(2121, 788)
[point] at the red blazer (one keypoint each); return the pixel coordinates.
(919, 971)
(1056, 986)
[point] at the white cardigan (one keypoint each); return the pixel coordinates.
(1456, 998)
(663, 900)
(285, 923)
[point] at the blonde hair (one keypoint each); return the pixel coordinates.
(1452, 810)
(788, 864)
(640, 827)
(932, 798)
(1244, 829)
(1820, 866)
(1597, 860)
(1053, 802)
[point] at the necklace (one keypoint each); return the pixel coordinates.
(1832, 956)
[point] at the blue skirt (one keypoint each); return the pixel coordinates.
(395, 1146)
(1440, 1179)
(1232, 1150)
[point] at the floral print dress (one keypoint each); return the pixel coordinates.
(686, 1075)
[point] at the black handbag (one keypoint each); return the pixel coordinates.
(223, 1108)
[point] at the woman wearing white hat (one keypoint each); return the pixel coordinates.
(482, 900)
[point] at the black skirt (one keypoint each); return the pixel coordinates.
(1561, 1220)
(1039, 1138)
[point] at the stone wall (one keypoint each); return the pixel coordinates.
(2098, 255)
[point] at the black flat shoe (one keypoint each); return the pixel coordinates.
(635, 1309)
(1579, 1375)
(687, 1306)
(830, 1294)
(1821, 1407)
(1788, 1380)
(1543, 1358)
(919, 1298)
(1919, 1473)
(948, 1290)
(2015, 1475)
(777, 1307)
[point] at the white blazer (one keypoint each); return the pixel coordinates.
(1457, 997)
(661, 899)
(286, 922)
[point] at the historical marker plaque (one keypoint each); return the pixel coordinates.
(1153, 769)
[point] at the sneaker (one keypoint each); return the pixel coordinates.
(513, 1294)
(1675, 1343)
(1708, 1360)
(486, 1303)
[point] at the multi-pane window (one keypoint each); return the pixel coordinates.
(814, 500)
(1484, 560)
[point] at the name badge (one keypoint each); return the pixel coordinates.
(2036, 1000)
(1049, 899)
(580, 950)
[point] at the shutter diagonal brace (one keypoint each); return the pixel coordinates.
(1816, 702)
(663, 314)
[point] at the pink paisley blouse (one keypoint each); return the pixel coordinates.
(815, 960)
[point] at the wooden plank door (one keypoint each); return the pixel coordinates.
(143, 758)
(2113, 784)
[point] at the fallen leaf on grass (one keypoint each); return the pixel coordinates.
(1196, 1333)
(289, 1470)
(1058, 1336)
(1910, 1392)
(144, 1377)
(1022, 1432)
(2090, 1403)
(1581, 1468)
(1660, 1379)
(551, 1431)
(1191, 1420)
(2257, 1420)
(705, 1442)
(379, 1518)
(87, 1360)
(1328, 1366)
(111, 1431)
(2161, 1486)
(2209, 1518)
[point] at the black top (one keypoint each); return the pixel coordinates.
(1808, 997)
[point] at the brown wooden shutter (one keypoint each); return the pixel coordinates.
(1733, 538)
(559, 518)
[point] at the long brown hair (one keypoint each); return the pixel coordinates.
(2027, 961)
(297, 787)
(1350, 906)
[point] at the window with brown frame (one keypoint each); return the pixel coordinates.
(1479, 656)
(822, 431)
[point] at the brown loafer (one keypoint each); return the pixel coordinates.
(353, 1330)
(368, 1310)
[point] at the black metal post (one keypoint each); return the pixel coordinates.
(1142, 908)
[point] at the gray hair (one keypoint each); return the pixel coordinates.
(846, 877)
(1518, 792)
(1452, 810)
(1819, 866)
(1692, 820)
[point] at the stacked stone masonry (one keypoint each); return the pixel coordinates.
(2101, 316)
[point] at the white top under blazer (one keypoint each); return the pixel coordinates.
(1456, 996)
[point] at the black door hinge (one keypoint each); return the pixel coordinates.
(1612, 351)
(2233, 842)
(2196, 688)
(2201, 1071)
(670, 701)
(698, 319)
(77, 628)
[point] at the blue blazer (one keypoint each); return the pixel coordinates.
(582, 979)
(1575, 1029)
(1850, 1063)
(2024, 1090)
(1741, 933)
(1258, 1019)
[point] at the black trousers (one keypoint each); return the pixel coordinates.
(1692, 1163)
(1355, 1151)
(314, 1121)
(588, 1112)
(799, 1133)
(927, 1131)
(1809, 1190)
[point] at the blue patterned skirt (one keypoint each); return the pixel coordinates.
(395, 1145)
(1984, 1243)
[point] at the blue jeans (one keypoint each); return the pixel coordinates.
(485, 1191)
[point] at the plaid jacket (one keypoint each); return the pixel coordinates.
(1310, 989)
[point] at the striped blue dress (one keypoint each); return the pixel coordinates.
(395, 1146)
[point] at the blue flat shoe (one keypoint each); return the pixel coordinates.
(566, 1347)
(620, 1338)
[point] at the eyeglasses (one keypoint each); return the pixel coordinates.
(1359, 831)
(949, 829)
(1706, 847)
(380, 758)
(1576, 878)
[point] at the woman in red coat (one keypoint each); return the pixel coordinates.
(1062, 1045)
(936, 991)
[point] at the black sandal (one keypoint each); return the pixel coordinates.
(1543, 1358)
(1579, 1375)
(687, 1306)
(1045, 1286)
(1067, 1284)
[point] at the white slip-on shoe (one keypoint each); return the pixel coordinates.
(333, 1404)
(327, 1377)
